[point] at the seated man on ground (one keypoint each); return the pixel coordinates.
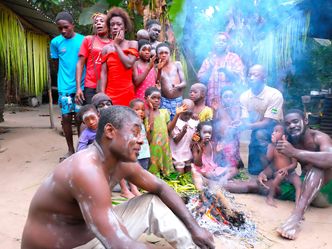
(283, 167)
(313, 149)
(69, 211)
(261, 109)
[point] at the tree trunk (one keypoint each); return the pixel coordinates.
(2, 92)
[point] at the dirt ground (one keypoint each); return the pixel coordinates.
(33, 151)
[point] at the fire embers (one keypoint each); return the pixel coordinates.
(216, 213)
(218, 209)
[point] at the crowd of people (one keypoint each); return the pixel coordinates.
(135, 127)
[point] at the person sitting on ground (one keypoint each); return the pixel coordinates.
(90, 56)
(64, 50)
(313, 149)
(201, 111)
(90, 118)
(171, 79)
(138, 106)
(283, 167)
(226, 135)
(154, 28)
(181, 138)
(144, 73)
(73, 207)
(261, 109)
(203, 150)
(101, 101)
(158, 126)
(142, 34)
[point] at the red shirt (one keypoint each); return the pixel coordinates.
(91, 50)
(119, 87)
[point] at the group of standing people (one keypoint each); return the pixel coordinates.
(199, 134)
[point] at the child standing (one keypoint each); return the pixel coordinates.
(181, 138)
(158, 126)
(201, 111)
(144, 154)
(283, 166)
(144, 74)
(90, 119)
(171, 78)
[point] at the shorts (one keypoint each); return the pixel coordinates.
(88, 94)
(287, 191)
(67, 104)
(144, 162)
(171, 105)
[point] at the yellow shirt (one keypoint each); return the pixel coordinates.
(206, 114)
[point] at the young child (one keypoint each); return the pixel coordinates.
(144, 154)
(203, 151)
(201, 111)
(284, 167)
(181, 138)
(158, 127)
(90, 119)
(170, 76)
(144, 74)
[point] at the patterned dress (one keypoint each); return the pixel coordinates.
(161, 156)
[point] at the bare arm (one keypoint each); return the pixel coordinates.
(79, 71)
(127, 60)
(260, 124)
(320, 159)
(152, 184)
(139, 78)
(103, 78)
(183, 82)
(171, 124)
(180, 135)
(96, 207)
(197, 151)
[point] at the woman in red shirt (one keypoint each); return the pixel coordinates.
(90, 56)
(118, 59)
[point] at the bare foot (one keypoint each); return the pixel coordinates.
(270, 201)
(291, 227)
(69, 153)
(128, 195)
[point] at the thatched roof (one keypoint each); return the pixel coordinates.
(32, 15)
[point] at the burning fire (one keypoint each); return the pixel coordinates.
(217, 208)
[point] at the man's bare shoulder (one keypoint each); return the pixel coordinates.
(321, 138)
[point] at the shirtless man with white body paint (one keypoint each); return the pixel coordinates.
(313, 149)
(73, 206)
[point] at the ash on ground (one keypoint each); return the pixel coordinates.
(217, 212)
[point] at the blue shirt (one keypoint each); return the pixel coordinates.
(87, 137)
(66, 50)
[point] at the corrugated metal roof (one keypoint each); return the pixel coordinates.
(32, 15)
